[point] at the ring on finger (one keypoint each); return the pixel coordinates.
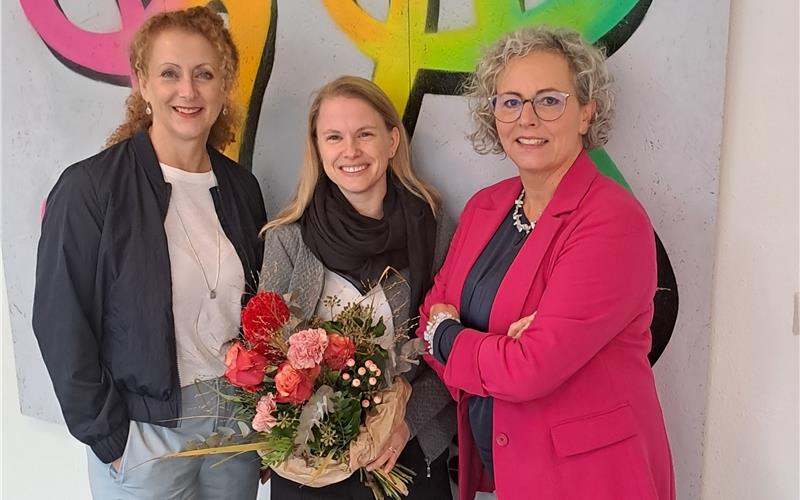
(393, 450)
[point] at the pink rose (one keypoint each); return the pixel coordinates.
(306, 348)
(265, 419)
(340, 349)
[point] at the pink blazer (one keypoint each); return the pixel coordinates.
(576, 414)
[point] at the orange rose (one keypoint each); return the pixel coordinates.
(293, 385)
(339, 350)
(245, 368)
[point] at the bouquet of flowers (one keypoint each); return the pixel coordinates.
(317, 403)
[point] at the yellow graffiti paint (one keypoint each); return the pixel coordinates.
(248, 22)
(402, 44)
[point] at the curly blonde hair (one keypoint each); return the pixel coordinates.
(311, 167)
(196, 20)
(586, 63)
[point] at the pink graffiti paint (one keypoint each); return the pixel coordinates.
(104, 53)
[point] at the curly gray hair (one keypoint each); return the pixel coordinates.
(586, 62)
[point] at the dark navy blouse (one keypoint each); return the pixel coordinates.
(477, 298)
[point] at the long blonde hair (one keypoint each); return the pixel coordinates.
(311, 167)
(196, 20)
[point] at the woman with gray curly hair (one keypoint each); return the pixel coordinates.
(539, 319)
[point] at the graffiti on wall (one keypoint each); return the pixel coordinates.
(104, 56)
(412, 57)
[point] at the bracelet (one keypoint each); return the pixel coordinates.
(433, 323)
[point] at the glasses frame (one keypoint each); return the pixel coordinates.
(493, 104)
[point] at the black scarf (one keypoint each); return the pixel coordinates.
(360, 248)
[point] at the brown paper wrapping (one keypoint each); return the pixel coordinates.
(380, 421)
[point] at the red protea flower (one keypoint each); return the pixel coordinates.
(263, 315)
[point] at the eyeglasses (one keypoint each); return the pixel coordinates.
(548, 105)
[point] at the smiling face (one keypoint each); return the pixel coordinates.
(355, 147)
(184, 86)
(534, 145)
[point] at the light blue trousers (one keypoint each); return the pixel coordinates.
(144, 476)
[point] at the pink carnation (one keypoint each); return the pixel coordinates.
(265, 419)
(306, 348)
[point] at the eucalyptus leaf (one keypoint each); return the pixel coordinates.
(295, 311)
(314, 411)
(193, 445)
(213, 440)
(408, 355)
(244, 428)
(413, 348)
(385, 341)
(227, 432)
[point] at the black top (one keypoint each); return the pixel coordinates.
(360, 248)
(102, 306)
(477, 298)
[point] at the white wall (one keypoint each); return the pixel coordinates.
(39, 460)
(751, 446)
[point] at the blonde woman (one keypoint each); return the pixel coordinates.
(359, 210)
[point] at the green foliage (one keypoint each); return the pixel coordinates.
(279, 450)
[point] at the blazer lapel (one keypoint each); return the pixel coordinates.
(515, 287)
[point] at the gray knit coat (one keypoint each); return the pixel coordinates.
(289, 266)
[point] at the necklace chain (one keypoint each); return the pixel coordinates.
(212, 291)
(517, 216)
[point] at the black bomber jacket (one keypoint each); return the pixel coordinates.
(102, 308)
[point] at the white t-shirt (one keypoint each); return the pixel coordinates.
(204, 326)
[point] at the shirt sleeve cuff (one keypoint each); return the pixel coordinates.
(444, 338)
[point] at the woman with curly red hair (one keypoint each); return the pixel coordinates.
(147, 250)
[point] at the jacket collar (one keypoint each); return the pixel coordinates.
(146, 157)
(514, 289)
(489, 213)
(566, 198)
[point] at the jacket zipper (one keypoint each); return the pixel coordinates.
(172, 317)
(244, 258)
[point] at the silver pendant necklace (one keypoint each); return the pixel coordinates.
(517, 216)
(212, 291)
